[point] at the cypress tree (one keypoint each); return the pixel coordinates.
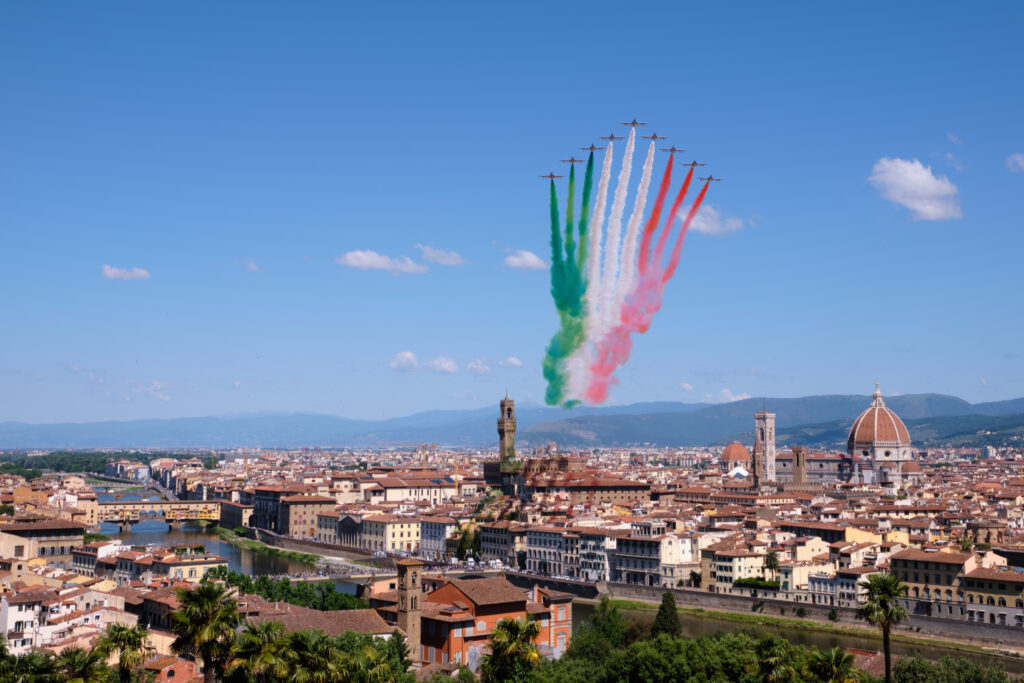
(667, 620)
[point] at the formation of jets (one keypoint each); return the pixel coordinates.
(653, 137)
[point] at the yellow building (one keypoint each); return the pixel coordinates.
(995, 596)
(390, 533)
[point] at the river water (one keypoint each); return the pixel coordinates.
(157, 532)
(700, 625)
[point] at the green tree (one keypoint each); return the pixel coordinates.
(6, 509)
(881, 607)
(513, 652)
(834, 665)
(776, 662)
(129, 642)
(946, 670)
(261, 653)
(771, 563)
(695, 578)
(205, 626)
(667, 619)
(601, 635)
(78, 665)
(318, 660)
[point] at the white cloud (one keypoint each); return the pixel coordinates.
(953, 138)
(443, 257)
(710, 222)
(478, 367)
(525, 259)
(252, 266)
(954, 161)
(724, 396)
(134, 273)
(510, 362)
(237, 384)
(686, 386)
(404, 361)
(367, 259)
(1015, 162)
(913, 185)
(154, 389)
(983, 381)
(442, 364)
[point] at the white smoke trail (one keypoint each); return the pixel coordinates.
(627, 268)
(611, 252)
(577, 365)
(594, 242)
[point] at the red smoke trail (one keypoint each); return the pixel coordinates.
(644, 301)
(652, 220)
(660, 249)
(677, 250)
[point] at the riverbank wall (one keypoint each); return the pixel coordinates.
(324, 549)
(977, 634)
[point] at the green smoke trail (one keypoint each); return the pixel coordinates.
(568, 286)
(557, 266)
(588, 182)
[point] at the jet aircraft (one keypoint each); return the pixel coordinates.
(613, 136)
(672, 149)
(591, 148)
(552, 176)
(573, 160)
(634, 123)
(693, 164)
(654, 137)
(711, 178)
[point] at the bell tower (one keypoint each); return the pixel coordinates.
(764, 446)
(410, 593)
(507, 434)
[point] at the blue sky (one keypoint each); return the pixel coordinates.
(235, 151)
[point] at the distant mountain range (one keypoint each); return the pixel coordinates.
(813, 420)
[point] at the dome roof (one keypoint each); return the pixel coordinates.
(735, 452)
(878, 426)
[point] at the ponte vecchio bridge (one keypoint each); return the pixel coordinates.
(128, 512)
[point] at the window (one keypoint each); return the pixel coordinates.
(481, 625)
(561, 612)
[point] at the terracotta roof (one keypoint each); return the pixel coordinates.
(494, 591)
(735, 452)
(877, 425)
(332, 623)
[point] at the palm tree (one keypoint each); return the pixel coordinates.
(881, 607)
(513, 652)
(205, 627)
(130, 644)
(319, 661)
(771, 563)
(832, 666)
(78, 665)
(28, 668)
(774, 661)
(262, 652)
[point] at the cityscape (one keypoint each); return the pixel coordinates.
(572, 343)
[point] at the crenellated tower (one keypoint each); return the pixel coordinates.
(507, 434)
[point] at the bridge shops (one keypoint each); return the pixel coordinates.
(127, 513)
